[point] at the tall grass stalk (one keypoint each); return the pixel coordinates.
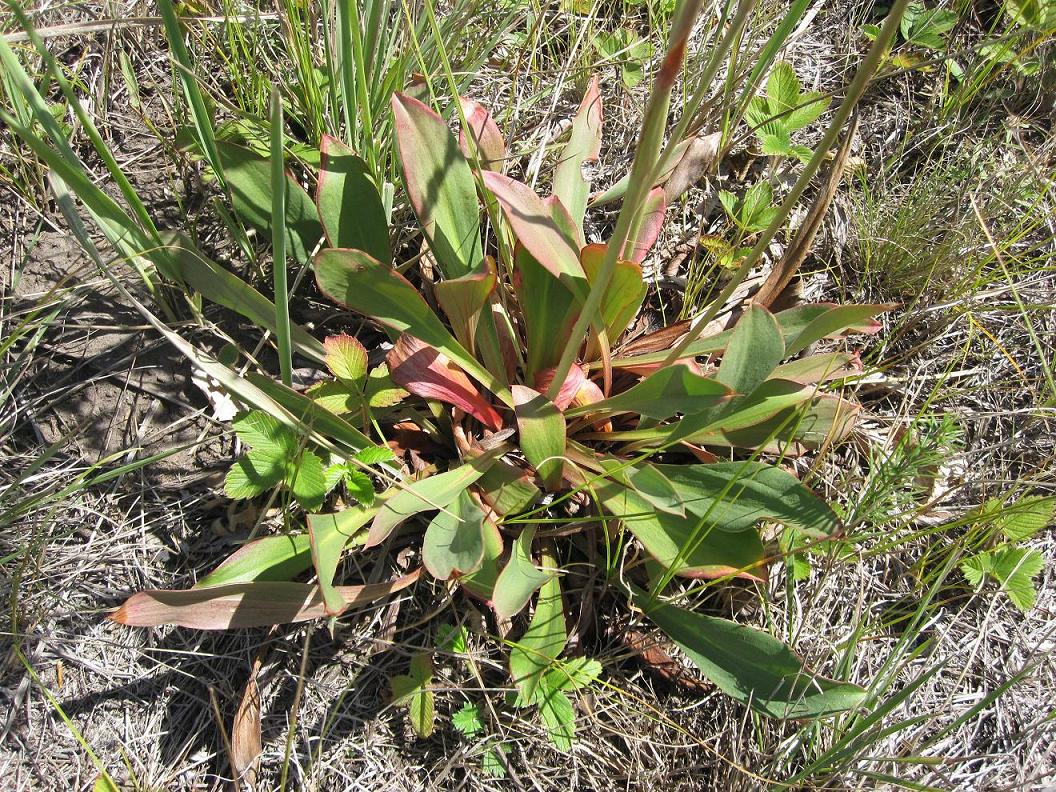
(843, 113)
(278, 241)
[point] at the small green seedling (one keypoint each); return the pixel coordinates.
(783, 110)
(754, 211)
(1011, 567)
(627, 49)
(413, 691)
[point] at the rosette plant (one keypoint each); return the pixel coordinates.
(522, 419)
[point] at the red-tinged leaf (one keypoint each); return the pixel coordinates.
(485, 139)
(653, 213)
(569, 388)
(537, 228)
(583, 146)
(563, 219)
(354, 279)
(349, 205)
(346, 357)
(667, 169)
(853, 318)
(622, 299)
(439, 185)
(463, 299)
(260, 604)
(819, 368)
(542, 432)
(426, 372)
(645, 369)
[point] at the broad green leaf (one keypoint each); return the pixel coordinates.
(776, 142)
(773, 397)
(583, 146)
(430, 493)
(541, 428)
(381, 391)
(684, 545)
(671, 390)
(374, 455)
(270, 558)
(750, 665)
(548, 310)
(818, 368)
(648, 482)
(328, 536)
(452, 638)
(439, 185)
(257, 604)
(507, 489)
(265, 434)
(195, 271)
(542, 642)
(359, 485)
(481, 584)
(307, 480)
(254, 473)
(811, 105)
(735, 496)
(520, 578)
(346, 357)
(339, 398)
(791, 431)
(248, 175)
(535, 227)
(623, 297)
(353, 279)
(454, 541)
(754, 351)
(349, 205)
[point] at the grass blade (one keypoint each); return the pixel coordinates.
(278, 241)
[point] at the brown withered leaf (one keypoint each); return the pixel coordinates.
(246, 744)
